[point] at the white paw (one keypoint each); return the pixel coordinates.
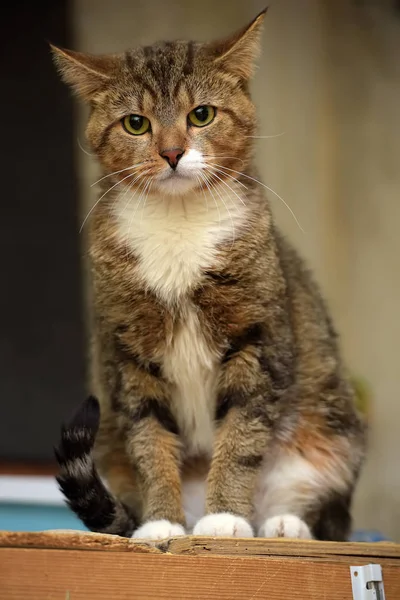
(224, 525)
(287, 526)
(158, 530)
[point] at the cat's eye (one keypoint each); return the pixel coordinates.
(201, 116)
(136, 124)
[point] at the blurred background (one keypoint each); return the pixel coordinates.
(328, 95)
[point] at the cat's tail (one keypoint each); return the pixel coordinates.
(79, 480)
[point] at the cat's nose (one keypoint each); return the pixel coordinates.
(172, 156)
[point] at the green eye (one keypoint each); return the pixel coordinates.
(201, 116)
(136, 124)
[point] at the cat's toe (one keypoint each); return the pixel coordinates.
(223, 525)
(287, 526)
(158, 530)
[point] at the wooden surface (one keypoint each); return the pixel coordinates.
(74, 566)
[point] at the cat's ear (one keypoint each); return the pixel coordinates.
(238, 53)
(87, 74)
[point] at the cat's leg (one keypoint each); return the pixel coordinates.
(251, 389)
(306, 495)
(153, 447)
(240, 444)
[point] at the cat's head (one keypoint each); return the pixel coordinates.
(171, 112)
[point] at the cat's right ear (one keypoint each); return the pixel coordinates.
(238, 53)
(87, 74)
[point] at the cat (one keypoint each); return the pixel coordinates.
(221, 405)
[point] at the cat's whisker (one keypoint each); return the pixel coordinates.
(117, 172)
(147, 192)
(131, 184)
(101, 198)
(234, 179)
(128, 189)
(231, 157)
(228, 186)
(83, 149)
(203, 190)
(204, 177)
(136, 207)
(88, 214)
(140, 176)
(267, 188)
(229, 212)
(139, 200)
(265, 137)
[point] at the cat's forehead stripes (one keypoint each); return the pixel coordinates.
(157, 78)
(168, 80)
(161, 67)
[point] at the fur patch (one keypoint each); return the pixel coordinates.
(289, 484)
(192, 369)
(177, 238)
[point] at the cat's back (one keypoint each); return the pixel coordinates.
(315, 337)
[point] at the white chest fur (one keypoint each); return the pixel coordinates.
(192, 370)
(175, 239)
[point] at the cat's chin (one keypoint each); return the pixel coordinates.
(176, 185)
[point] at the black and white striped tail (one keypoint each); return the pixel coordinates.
(79, 480)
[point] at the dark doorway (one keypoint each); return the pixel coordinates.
(41, 316)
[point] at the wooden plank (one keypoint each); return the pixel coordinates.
(191, 545)
(74, 540)
(259, 547)
(74, 575)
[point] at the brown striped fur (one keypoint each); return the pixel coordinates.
(251, 313)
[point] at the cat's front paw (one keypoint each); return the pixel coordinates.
(285, 526)
(158, 530)
(223, 525)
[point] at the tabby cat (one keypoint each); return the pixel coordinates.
(221, 405)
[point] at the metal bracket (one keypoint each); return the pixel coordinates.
(367, 582)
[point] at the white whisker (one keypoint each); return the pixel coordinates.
(267, 188)
(117, 172)
(136, 207)
(128, 189)
(204, 178)
(83, 149)
(231, 157)
(136, 191)
(265, 137)
(203, 190)
(228, 175)
(139, 200)
(101, 198)
(132, 183)
(228, 186)
(146, 191)
(229, 212)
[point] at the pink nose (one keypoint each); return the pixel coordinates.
(172, 156)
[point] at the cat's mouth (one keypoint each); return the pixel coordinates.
(171, 174)
(183, 177)
(176, 174)
(174, 182)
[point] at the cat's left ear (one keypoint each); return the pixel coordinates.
(238, 53)
(87, 74)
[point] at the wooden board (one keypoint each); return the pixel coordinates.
(76, 566)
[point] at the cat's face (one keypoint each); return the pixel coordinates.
(171, 117)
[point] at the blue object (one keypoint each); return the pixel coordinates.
(368, 535)
(37, 517)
